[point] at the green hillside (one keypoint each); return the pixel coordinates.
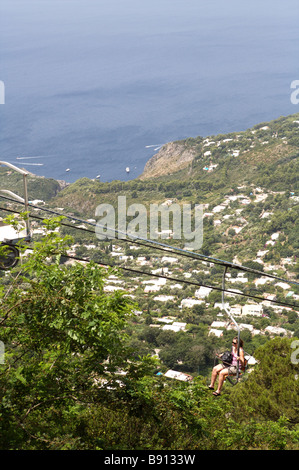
(265, 172)
(38, 187)
(265, 155)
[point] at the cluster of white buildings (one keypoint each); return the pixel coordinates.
(169, 323)
(218, 326)
(168, 264)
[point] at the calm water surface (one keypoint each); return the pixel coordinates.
(95, 86)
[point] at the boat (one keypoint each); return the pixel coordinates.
(128, 169)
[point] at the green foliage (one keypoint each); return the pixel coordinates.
(272, 390)
(37, 186)
(264, 410)
(61, 331)
(255, 435)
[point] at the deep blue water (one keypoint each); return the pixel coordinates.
(90, 84)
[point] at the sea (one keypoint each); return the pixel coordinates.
(93, 88)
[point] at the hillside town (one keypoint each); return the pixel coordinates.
(168, 298)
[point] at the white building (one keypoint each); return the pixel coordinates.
(283, 285)
(261, 281)
(112, 288)
(218, 208)
(275, 236)
(152, 288)
(252, 309)
(219, 305)
(202, 292)
(175, 326)
(7, 232)
(275, 330)
(173, 374)
(246, 326)
(218, 324)
(215, 332)
(189, 303)
(169, 259)
(236, 310)
(164, 298)
(161, 281)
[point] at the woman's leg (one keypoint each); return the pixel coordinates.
(222, 376)
(215, 372)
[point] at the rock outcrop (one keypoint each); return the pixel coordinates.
(171, 158)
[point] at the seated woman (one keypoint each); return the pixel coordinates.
(225, 370)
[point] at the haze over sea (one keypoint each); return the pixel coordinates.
(95, 86)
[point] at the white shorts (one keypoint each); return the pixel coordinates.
(232, 370)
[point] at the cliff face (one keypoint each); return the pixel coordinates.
(172, 157)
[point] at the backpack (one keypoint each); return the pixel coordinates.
(227, 357)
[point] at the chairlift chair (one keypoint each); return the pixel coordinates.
(9, 256)
(9, 246)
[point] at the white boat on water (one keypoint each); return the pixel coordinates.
(68, 169)
(128, 169)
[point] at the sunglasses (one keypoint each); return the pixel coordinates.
(234, 342)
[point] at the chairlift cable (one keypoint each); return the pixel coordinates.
(169, 278)
(173, 279)
(160, 246)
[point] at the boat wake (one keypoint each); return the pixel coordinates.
(32, 164)
(157, 146)
(38, 156)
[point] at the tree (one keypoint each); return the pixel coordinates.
(272, 390)
(264, 407)
(62, 335)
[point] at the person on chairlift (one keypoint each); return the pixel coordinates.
(223, 370)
